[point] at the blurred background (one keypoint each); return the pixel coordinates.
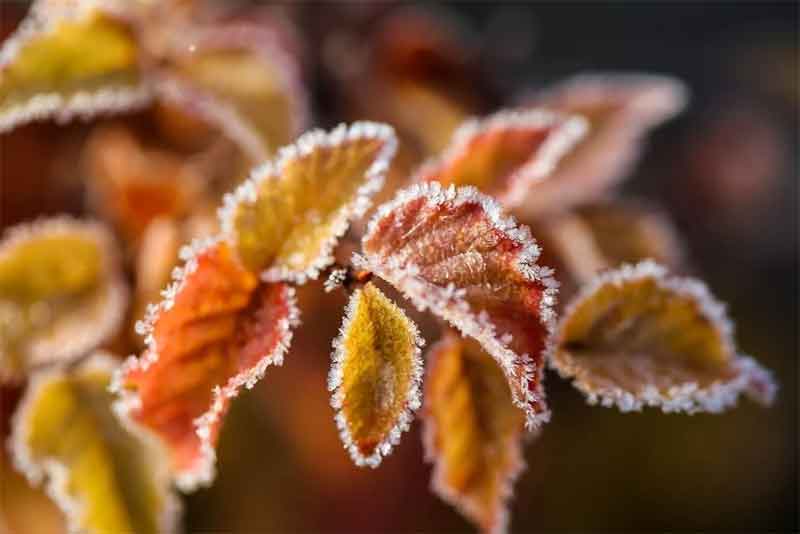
(727, 172)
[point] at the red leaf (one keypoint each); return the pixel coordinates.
(216, 331)
(455, 252)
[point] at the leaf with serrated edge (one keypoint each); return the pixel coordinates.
(621, 109)
(105, 476)
(455, 252)
(635, 337)
(240, 78)
(506, 153)
(216, 331)
(472, 431)
(375, 375)
(288, 216)
(62, 292)
(80, 64)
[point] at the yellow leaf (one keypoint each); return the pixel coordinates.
(472, 431)
(66, 66)
(505, 154)
(621, 110)
(635, 337)
(240, 78)
(287, 218)
(455, 252)
(61, 292)
(375, 375)
(104, 476)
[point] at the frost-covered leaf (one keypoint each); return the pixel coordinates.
(287, 218)
(506, 153)
(375, 376)
(61, 292)
(216, 331)
(472, 431)
(455, 252)
(239, 77)
(599, 236)
(130, 185)
(621, 109)
(635, 337)
(105, 476)
(80, 64)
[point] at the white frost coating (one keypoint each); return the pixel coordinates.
(567, 131)
(246, 193)
(57, 474)
(84, 105)
(448, 302)
(689, 397)
(130, 401)
(115, 296)
(414, 396)
(335, 279)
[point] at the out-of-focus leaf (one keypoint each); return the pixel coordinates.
(61, 293)
(238, 77)
(506, 153)
(216, 331)
(472, 431)
(635, 337)
(287, 218)
(599, 236)
(455, 252)
(621, 109)
(375, 376)
(131, 186)
(65, 66)
(106, 477)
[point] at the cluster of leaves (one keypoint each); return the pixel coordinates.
(631, 334)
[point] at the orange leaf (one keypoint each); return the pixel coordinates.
(216, 331)
(456, 253)
(621, 109)
(506, 153)
(636, 338)
(472, 432)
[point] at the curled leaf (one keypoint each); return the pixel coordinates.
(216, 331)
(635, 337)
(472, 432)
(287, 218)
(66, 66)
(455, 252)
(506, 153)
(621, 109)
(239, 77)
(61, 293)
(603, 235)
(375, 376)
(105, 477)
